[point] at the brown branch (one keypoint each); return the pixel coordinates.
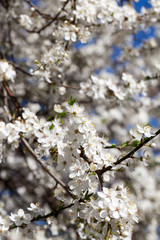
(22, 70)
(62, 184)
(130, 154)
(51, 21)
(5, 97)
(12, 97)
(53, 213)
(44, 15)
(52, 83)
(155, 77)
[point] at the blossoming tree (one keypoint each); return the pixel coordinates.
(79, 126)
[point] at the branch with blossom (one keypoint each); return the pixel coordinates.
(76, 82)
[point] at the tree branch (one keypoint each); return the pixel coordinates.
(44, 15)
(53, 213)
(51, 21)
(130, 154)
(62, 184)
(12, 97)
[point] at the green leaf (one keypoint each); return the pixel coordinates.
(148, 78)
(92, 174)
(125, 144)
(71, 101)
(114, 145)
(141, 158)
(60, 115)
(50, 118)
(51, 127)
(135, 143)
(103, 121)
(121, 169)
(87, 196)
(36, 61)
(146, 138)
(109, 232)
(61, 120)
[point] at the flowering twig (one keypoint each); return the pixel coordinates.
(154, 77)
(53, 213)
(17, 105)
(44, 15)
(130, 154)
(22, 70)
(51, 21)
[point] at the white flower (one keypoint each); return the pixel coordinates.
(4, 224)
(21, 217)
(132, 209)
(2, 130)
(28, 114)
(58, 108)
(118, 92)
(146, 130)
(75, 112)
(61, 90)
(79, 12)
(11, 132)
(74, 134)
(78, 184)
(7, 71)
(69, 31)
(118, 209)
(70, 36)
(35, 209)
(136, 134)
(78, 168)
(107, 194)
(146, 158)
(25, 21)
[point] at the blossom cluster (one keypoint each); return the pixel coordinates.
(100, 87)
(50, 62)
(111, 212)
(29, 126)
(80, 155)
(21, 219)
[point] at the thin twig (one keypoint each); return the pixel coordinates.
(130, 154)
(44, 15)
(155, 77)
(62, 184)
(22, 70)
(11, 95)
(53, 213)
(51, 21)
(5, 97)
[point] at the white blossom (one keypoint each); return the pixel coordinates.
(21, 217)
(146, 130)
(7, 71)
